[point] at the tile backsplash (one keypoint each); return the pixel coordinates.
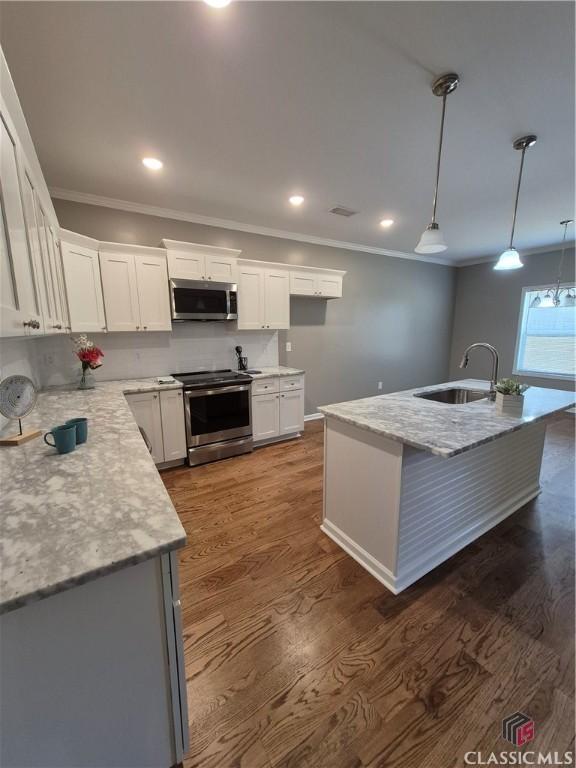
(189, 347)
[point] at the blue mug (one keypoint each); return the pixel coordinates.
(64, 438)
(81, 425)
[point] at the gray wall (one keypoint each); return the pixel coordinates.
(488, 308)
(393, 324)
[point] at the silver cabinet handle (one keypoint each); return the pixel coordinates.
(137, 327)
(179, 394)
(58, 327)
(103, 327)
(155, 397)
(145, 327)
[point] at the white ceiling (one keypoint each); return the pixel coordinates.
(252, 103)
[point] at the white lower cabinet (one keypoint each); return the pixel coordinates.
(291, 412)
(173, 430)
(161, 416)
(265, 416)
(279, 411)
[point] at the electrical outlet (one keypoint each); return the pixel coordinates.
(379, 385)
(288, 346)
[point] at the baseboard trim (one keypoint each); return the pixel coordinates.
(313, 416)
(375, 568)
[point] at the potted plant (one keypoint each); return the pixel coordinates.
(510, 397)
(90, 356)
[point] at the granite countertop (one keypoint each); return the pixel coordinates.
(445, 430)
(275, 370)
(69, 519)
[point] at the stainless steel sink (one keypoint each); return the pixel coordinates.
(454, 396)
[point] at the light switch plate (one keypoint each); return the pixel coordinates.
(288, 346)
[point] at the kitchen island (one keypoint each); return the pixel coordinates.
(410, 481)
(91, 655)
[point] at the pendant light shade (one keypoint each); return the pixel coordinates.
(432, 240)
(510, 258)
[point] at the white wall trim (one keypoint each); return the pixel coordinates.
(373, 566)
(313, 416)
(169, 213)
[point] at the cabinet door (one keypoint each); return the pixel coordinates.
(119, 291)
(330, 286)
(54, 323)
(186, 265)
(84, 289)
(34, 240)
(277, 301)
(153, 298)
(63, 325)
(173, 429)
(222, 269)
(265, 416)
(291, 412)
(146, 410)
(20, 310)
(250, 298)
(303, 283)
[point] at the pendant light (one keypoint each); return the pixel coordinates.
(510, 258)
(553, 295)
(432, 240)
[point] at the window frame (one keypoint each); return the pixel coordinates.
(521, 322)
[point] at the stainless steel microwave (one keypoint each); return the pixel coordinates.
(203, 300)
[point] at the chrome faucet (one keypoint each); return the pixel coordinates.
(494, 353)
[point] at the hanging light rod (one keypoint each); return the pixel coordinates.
(510, 258)
(432, 240)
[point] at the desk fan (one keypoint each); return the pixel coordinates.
(17, 399)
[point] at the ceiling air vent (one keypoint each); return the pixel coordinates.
(340, 210)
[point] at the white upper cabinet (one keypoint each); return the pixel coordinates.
(153, 296)
(251, 313)
(263, 296)
(83, 285)
(325, 284)
(192, 261)
(135, 288)
(21, 313)
(277, 298)
(120, 292)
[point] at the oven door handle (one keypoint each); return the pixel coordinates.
(219, 391)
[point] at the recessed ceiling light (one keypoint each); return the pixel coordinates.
(386, 223)
(296, 200)
(152, 163)
(217, 3)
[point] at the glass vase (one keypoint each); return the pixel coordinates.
(87, 380)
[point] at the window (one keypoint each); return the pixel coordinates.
(546, 334)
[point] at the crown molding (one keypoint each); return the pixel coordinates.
(194, 218)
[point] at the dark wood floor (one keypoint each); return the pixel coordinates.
(297, 657)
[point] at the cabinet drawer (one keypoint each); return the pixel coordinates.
(265, 386)
(288, 383)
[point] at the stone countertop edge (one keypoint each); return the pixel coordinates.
(419, 423)
(270, 371)
(67, 520)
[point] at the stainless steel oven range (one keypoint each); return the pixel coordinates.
(218, 414)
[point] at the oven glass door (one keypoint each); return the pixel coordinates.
(217, 414)
(192, 300)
